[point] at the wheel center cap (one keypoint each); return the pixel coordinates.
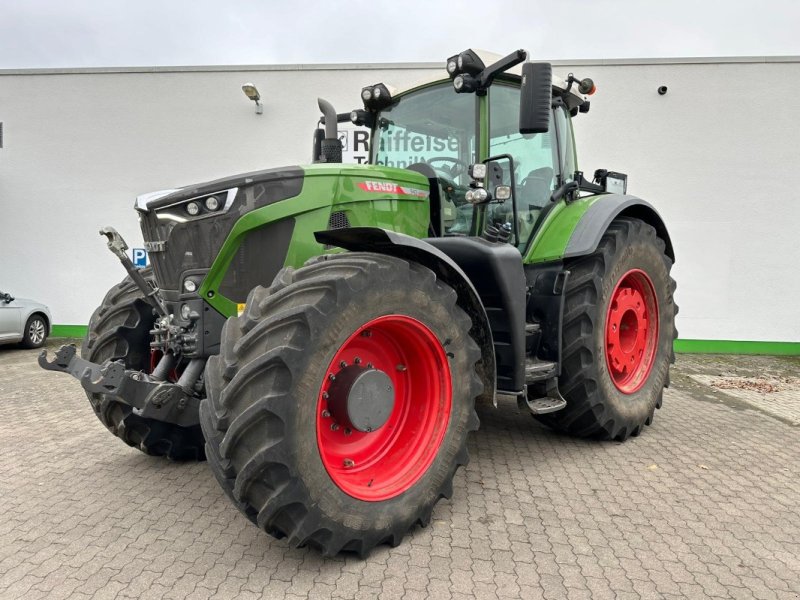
(361, 399)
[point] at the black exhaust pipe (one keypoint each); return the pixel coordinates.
(330, 146)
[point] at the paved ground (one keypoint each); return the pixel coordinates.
(703, 504)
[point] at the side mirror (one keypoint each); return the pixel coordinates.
(8, 298)
(535, 98)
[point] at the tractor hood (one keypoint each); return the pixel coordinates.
(185, 229)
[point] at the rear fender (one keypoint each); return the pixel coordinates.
(595, 221)
(382, 241)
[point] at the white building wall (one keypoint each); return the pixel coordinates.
(716, 155)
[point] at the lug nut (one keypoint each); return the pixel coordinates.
(334, 426)
(357, 361)
(401, 368)
(326, 413)
(325, 395)
(332, 377)
(348, 462)
(342, 365)
(347, 431)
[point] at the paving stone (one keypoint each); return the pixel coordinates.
(702, 504)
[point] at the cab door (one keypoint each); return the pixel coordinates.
(542, 161)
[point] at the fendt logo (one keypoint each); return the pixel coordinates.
(387, 187)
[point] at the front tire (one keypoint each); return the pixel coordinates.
(617, 336)
(35, 334)
(120, 330)
(299, 454)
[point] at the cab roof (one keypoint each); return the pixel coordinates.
(488, 58)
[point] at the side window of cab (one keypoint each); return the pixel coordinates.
(535, 155)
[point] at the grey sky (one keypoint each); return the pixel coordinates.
(84, 33)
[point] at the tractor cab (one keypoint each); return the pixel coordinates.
(515, 119)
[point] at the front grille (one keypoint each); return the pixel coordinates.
(195, 243)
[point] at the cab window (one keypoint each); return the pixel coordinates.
(436, 127)
(535, 162)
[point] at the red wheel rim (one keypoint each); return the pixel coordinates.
(631, 331)
(384, 463)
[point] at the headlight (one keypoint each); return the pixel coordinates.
(476, 196)
(465, 83)
(502, 193)
(189, 285)
(477, 171)
(212, 203)
(376, 97)
(193, 208)
(185, 312)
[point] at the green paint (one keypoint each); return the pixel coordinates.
(69, 331)
(551, 240)
(328, 187)
(483, 128)
(737, 347)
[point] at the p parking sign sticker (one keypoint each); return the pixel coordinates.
(139, 257)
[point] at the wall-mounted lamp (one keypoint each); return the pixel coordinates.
(251, 92)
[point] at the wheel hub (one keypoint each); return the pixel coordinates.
(631, 332)
(384, 406)
(361, 399)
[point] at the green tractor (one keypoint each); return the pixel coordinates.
(323, 333)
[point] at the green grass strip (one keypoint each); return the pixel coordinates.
(69, 331)
(682, 346)
(737, 347)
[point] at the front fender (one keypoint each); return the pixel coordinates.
(382, 241)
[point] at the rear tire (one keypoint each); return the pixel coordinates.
(277, 450)
(617, 337)
(120, 330)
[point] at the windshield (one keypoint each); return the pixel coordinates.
(433, 126)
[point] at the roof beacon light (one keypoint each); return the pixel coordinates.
(587, 86)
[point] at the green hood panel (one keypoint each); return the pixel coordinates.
(357, 196)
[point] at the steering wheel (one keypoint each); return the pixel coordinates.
(450, 171)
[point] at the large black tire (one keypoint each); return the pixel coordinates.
(596, 407)
(120, 330)
(260, 416)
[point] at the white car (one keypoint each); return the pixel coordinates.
(23, 320)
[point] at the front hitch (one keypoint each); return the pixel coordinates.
(148, 397)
